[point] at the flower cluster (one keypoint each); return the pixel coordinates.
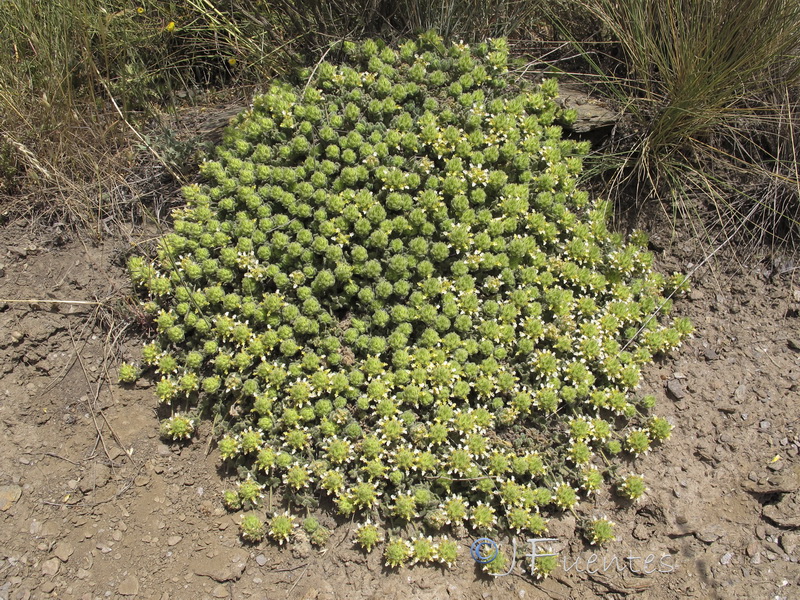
(177, 427)
(389, 272)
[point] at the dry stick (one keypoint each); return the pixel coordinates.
(54, 455)
(48, 301)
(92, 402)
(296, 581)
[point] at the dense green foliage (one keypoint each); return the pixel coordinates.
(392, 292)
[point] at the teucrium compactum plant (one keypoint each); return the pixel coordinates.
(391, 291)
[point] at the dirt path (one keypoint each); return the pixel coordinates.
(94, 505)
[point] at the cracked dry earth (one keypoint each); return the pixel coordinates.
(93, 505)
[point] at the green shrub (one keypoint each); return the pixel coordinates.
(376, 322)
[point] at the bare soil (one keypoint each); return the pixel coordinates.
(94, 505)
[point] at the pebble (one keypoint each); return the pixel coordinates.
(224, 564)
(765, 425)
(129, 586)
(220, 591)
(261, 560)
(790, 542)
(173, 539)
(708, 536)
(726, 558)
(63, 551)
(50, 567)
(752, 548)
(9, 494)
(675, 389)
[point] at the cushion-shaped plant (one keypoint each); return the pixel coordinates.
(388, 276)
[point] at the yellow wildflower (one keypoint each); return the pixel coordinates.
(170, 27)
(140, 9)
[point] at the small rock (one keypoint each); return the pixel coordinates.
(163, 450)
(765, 425)
(96, 477)
(708, 536)
(675, 389)
(740, 393)
(710, 354)
(50, 567)
(226, 565)
(82, 574)
(220, 591)
(726, 558)
(789, 542)
(173, 539)
(129, 586)
(752, 549)
(17, 336)
(63, 551)
(261, 560)
(9, 494)
(47, 587)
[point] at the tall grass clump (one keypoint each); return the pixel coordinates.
(703, 83)
(67, 60)
(470, 20)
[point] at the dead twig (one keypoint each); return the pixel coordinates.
(296, 581)
(48, 301)
(77, 464)
(92, 402)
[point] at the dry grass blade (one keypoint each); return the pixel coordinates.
(700, 83)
